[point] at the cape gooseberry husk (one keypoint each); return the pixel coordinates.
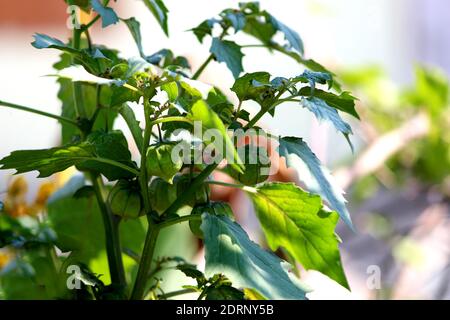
(257, 165)
(163, 162)
(162, 194)
(125, 200)
(214, 208)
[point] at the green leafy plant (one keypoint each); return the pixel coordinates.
(118, 210)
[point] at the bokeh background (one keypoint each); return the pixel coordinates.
(394, 55)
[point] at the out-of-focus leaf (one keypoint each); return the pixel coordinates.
(135, 29)
(323, 111)
(108, 15)
(231, 252)
(159, 11)
(229, 53)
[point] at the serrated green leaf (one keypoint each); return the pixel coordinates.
(296, 220)
(47, 161)
(108, 15)
(159, 11)
(88, 155)
(204, 29)
(228, 52)
(43, 41)
(245, 88)
(135, 29)
(315, 176)
(229, 251)
(324, 112)
(109, 145)
(344, 102)
(291, 36)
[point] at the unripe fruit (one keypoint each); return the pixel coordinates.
(125, 200)
(162, 194)
(257, 165)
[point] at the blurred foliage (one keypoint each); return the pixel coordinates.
(385, 106)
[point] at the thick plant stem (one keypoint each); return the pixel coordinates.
(146, 261)
(153, 231)
(190, 191)
(113, 246)
(143, 177)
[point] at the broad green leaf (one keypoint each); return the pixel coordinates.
(296, 220)
(108, 15)
(291, 36)
(135, 29)
(43, 41)
(163, 162)
(245, 88)
(159, 11)
(208, 119)
(47, 161)
(92, 154)
(230, 53)
(130, 118)
(324, 112)
(344, 102)
(228, 250)
(315, 176)
(109, 145)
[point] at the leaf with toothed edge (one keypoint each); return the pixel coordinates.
(228, 250)
(313, 174)
(296, 220)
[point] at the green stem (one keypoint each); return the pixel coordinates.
(226, 184)
(175, 293)
(143, 176)
(77, 86)
(202, 67)
(113, 163)
(191, 190)
(146, 261)
(113, 247)
(170, 119)
(152, 232)
(42, 113)
(171, 222)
